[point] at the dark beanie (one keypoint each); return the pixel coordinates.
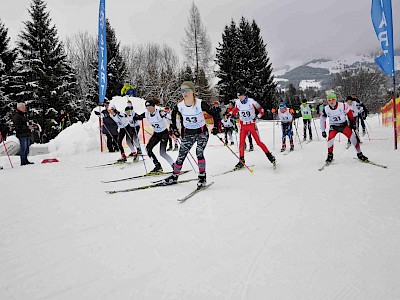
(190, 84)
(149, 103)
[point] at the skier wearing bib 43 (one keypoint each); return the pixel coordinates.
(337, 113)
(246, 108)
(194, 129)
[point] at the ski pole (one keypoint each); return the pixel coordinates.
(177, 140)
(222, 141)
(316, 131)
(297, 132)
(4, 144)
(140, 146)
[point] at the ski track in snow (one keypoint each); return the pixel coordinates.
(289, 233)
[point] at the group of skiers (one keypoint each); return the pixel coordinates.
(343, 117)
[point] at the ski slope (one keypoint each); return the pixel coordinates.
(292, 233)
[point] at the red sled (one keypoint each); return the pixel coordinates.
(49, 160)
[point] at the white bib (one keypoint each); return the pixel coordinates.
(156, 121)
(193, 117)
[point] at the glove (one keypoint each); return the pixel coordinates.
(176, 133)
(352, 125)
(214, 131)
(324, 134)
(96, 112)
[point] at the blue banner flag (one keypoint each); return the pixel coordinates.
(102, 50)
(381, 14)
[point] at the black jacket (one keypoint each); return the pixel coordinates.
(21, 124)
(3, 130)
(109, 126)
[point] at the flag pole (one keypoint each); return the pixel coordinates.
(394, 111)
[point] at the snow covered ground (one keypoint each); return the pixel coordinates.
(292, 233)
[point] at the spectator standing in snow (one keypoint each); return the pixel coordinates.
(23, 132)
(3, 134)
(128, 89)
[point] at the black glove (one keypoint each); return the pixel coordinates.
(324, 134)
(176, 133)
(97, 113)
(214, 131)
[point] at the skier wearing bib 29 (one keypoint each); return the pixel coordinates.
(337, 113)
(246, 107)
(194, 129)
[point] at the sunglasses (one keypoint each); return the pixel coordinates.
(281, 107)
(185, 90)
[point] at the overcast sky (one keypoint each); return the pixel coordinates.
(294, 30)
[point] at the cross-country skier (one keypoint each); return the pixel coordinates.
(246, 107)
(133, 138)
(157, 120)
(227, 127)
(124, 130)
(286, 116)
(306, 114)
(194, 129)
(337, 113)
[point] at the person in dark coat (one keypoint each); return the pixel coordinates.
(23, 131)
(3, 134)
(109, 128)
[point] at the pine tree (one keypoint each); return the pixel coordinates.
(116, 67)
(226, 59)
(43, 77)
(243, 61)
(262, 84)
(7, 60)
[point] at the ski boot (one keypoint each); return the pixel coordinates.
(169, 148)
(122, 159)
(176, 147)
(226, 142)
(329, 158)
(173, 179)
(251, 148)
(283, 148)
(362, 157)
(291, 147)
(240, 164)
(139, 151)
(232, 143)
(202, 180)
(157, 168)
(271, 158)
